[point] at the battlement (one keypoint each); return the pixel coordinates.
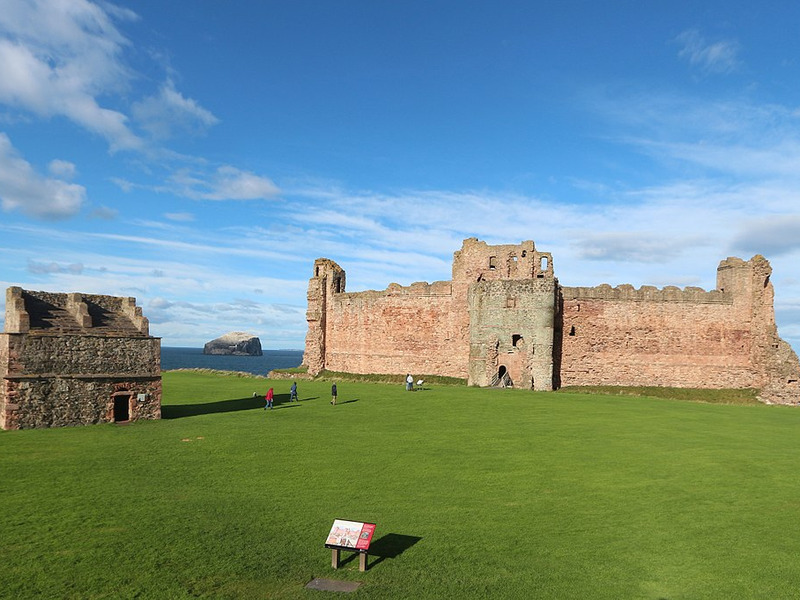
(419, 288)
(647, 293)
(40, 312)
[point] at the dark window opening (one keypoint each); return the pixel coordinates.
(501, 371)
(492, 262)
(572, 330)
(317, 275)
(337, 285)
(122, 407)
(516, 340)
(766, 281)
(524, 253)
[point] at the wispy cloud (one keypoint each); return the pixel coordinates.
(56, 59)
(169, 112)
(104, 213)
(776, 235)
(182, 217)
(21, 188)
(225, 183)
(54, 267)
(710, 57)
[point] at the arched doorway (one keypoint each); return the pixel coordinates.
(502, 378)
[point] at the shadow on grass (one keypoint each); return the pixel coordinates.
(391, 545)
(177, 411)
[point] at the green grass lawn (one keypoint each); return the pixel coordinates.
(476, 494)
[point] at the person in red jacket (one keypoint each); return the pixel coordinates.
(268, 398)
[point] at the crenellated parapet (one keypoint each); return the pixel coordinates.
(420, 288)
(17, 318)
(134, 313)
(76, 307)
(647, 293)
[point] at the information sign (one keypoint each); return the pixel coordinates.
(350, 535)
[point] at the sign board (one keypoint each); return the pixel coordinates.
(350, 535)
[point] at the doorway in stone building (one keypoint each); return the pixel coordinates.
(502, 379)
(122, 408)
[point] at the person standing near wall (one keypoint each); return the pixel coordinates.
(333, 394)
(409, 382)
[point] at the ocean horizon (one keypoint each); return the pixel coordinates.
(175, 357)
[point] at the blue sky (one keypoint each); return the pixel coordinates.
(199, 155)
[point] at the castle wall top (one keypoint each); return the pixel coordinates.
(87, 314)
(647, 293)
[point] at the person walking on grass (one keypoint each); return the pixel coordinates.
(333, 394)
(293, 392)
(270, 395)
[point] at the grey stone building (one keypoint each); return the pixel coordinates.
(76, 359)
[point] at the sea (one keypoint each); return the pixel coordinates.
(193, 358)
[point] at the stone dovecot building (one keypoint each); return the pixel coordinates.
(505, 319)
(76, 359)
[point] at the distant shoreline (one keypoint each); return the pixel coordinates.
(186, 357)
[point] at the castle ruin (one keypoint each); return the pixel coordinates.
(76, 359)
(504, 319)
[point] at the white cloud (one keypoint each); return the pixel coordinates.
(56, 58)
(774, 236)
(226, 183)
(54, 267)
(710, 57)
(639, 246)
(104, 213)
(182, 217)
(62, 168)
(169, 111)
(21, 188)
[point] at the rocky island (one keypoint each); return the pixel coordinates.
(235, 343)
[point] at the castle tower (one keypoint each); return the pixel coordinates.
(328, 279)
(776, 369)
(510, 294)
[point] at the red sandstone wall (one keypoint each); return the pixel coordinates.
(418, 329)
(680, 344)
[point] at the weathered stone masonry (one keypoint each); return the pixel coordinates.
(505, 317)
(71, 359)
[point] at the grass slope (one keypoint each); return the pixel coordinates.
(477, 493)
